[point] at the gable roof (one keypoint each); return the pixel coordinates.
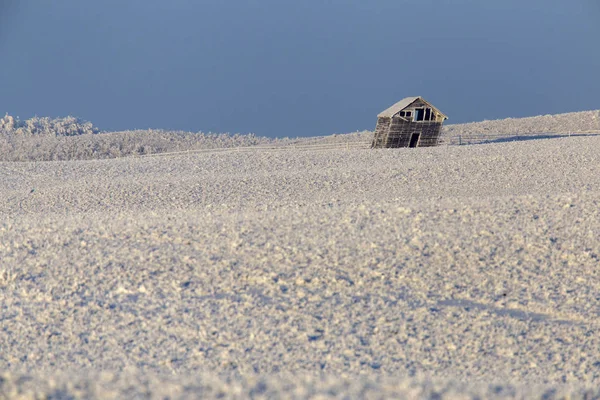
(405, 103)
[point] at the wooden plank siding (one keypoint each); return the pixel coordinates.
(399, 132)
(383, 125)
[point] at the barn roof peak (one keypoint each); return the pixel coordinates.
(405, 103)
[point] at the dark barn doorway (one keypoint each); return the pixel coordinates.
(414, 139)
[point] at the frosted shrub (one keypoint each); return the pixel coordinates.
(7, 124)
(7, 277)
(68, 126)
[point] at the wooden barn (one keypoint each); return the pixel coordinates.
(412, 122)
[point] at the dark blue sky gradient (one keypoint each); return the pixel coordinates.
(294, 68)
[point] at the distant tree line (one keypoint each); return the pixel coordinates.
(68, 126)
(70, 138)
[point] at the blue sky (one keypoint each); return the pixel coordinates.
(294, 68)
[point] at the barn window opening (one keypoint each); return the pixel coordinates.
(402, 114)
(428, 114)
(419, 114)
(414, 139)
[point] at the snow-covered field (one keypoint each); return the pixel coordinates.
(456, 271)
(60, 139)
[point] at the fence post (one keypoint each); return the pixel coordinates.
(459, 140)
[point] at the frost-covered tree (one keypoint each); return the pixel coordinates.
(68, 126)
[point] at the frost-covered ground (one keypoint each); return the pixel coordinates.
(563, 124)
(459, 272)
(45, 139)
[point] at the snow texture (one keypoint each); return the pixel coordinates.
(447, 272)
(45, 139)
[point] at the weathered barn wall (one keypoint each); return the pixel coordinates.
(400, 132)
(430, 133)
(381, 130)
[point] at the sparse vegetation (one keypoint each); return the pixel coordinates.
(45, 139)
(44, 126)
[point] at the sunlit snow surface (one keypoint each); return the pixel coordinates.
(458, 271)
